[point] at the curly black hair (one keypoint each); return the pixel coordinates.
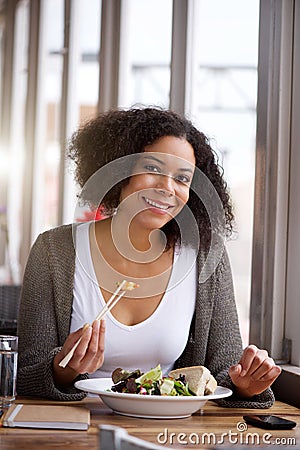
(118, 133)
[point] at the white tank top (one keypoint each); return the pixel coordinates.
(161, 338)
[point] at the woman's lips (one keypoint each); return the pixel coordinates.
(158, 207)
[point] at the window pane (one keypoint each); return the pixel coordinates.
(82, 97)
(51, 82)
(83, 82)
(15, 165)
(89, 22)
(145, 52)
(222, 101)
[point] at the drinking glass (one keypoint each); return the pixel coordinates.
(8, 369)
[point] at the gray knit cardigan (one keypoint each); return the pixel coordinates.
(45, 316)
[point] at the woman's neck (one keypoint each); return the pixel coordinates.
(134, 243)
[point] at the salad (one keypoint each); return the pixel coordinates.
(149, 383)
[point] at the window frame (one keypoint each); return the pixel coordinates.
(276, 218)
(274, 272)
(292, 293)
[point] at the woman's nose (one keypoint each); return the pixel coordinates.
(166, 184)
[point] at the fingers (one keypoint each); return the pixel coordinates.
(72, 339)
(255, 372)
(257, 364)
(266, 370)
(272, 374)
(235, 371)
(91, 347)
(101, 342)
(89, 354)
(251, 359)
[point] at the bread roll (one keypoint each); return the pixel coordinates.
(199, 379)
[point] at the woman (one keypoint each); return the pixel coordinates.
(156, 176)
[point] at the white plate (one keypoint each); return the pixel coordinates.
(148, 406)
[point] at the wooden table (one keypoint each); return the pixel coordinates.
(214, 427)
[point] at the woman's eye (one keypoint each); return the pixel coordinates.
(183, 179)
(151, 168)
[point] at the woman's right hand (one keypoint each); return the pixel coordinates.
(87, 357)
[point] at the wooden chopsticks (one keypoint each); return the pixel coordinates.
(117, 295)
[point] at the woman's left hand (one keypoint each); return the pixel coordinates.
(254, 373)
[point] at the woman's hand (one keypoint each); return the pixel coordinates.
(87, 357)
(254, 373)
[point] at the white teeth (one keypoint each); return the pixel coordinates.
(156, 205)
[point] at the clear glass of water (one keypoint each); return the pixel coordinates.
(8, 369)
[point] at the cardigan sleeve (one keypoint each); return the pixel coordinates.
(224, 346)
(38, 332)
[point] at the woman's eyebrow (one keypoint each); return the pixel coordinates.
(153, 158)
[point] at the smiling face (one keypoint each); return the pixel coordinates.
(160, 184)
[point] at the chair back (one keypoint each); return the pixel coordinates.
(133, 443)
(108, 436)
(117, 438)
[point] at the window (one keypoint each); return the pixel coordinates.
(275, 312)
(13, 113)
(145, 56)
(49, 88)
(89, 56)
(221, 99)
(80, 88)
(195, 56)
